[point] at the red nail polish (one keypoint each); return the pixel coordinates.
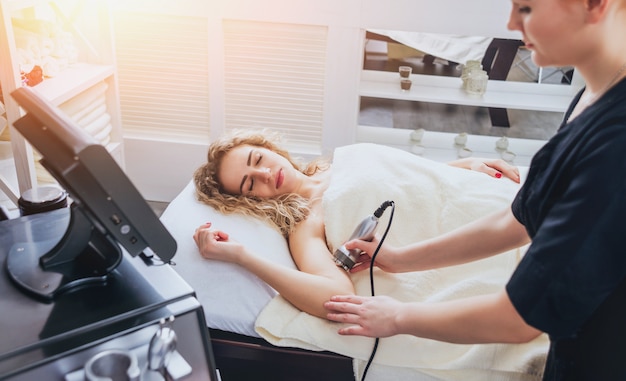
(498, 175)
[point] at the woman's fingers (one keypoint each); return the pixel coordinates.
(221, 236)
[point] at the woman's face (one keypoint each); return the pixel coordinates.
(550, 28)
(257, 171)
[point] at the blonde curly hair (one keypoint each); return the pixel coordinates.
(284, 211)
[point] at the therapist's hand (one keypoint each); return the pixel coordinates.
(364, 316)
(493, 167)
(385, 259)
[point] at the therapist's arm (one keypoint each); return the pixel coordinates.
(485, 237)
(479, 319)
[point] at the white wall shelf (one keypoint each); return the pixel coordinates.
(73, 81)
(439, 146)
(440, 89)
(28, 26)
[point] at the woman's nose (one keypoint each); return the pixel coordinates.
(514, 21)
(264, 174)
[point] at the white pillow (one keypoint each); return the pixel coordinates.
(231, 296)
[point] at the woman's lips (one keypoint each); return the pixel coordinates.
(280, 178)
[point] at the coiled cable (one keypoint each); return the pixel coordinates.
(379, 212)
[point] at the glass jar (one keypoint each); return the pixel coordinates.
(469, 67)
(477, 82)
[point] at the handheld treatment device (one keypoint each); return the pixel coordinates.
(364, 231)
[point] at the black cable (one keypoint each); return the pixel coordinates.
(378, 213)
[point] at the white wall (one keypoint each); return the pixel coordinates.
(161, 169)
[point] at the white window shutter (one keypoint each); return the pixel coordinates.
(162, 65)
(274, 78)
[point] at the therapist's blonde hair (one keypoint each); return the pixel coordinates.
(284, 212)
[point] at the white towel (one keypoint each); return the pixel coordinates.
(431, 198)
(86, 101)
(453, 48)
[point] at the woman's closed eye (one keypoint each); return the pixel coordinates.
(257, 160)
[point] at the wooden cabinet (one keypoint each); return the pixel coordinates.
(64, 50)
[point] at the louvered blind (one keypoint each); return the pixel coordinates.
(274, 78)
(163, 75)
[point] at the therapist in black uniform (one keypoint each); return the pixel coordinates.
(571, 283)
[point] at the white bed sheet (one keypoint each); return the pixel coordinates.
(431, 198)
(231, 296)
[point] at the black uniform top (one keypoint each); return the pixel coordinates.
(571, 282)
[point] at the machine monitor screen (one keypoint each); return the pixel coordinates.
(107, 212)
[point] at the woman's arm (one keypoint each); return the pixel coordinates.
(310, 253)
(492, 167)
(487, 236)
(307, 288)
(479, 319)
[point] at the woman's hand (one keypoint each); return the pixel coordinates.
(365, 316)
(493, 167)
(215, 244)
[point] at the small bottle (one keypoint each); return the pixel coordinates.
(405, 84)
(405, 71)
(469, 67)
(477, 82)
(460, 139)
(417, 134)
(502, 143)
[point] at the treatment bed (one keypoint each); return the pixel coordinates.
(256, 334)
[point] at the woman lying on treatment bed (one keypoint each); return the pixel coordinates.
(249, 173)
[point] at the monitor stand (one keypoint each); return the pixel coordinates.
(84, 256)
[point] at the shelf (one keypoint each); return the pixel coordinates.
(86, 30)
(439, 146)
(448, 90)
(72, 81)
